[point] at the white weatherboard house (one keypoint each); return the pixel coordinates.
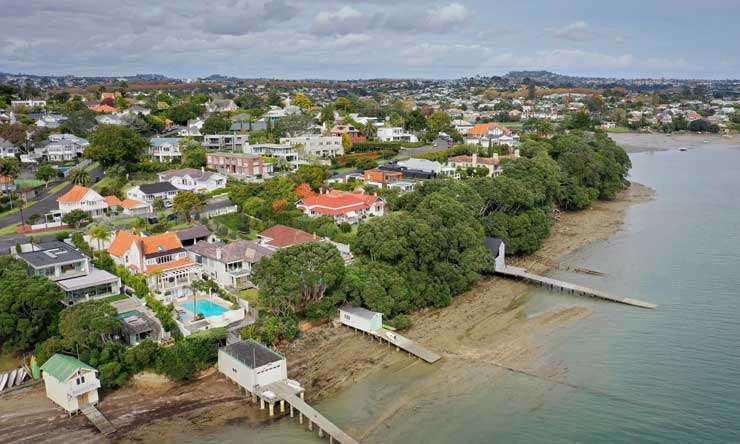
(82, 198)
(251, 364)
(360, 318)
(70, 383)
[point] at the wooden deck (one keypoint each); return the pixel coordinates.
(287, 393)
(98, 420)
(406, 344)
(555, 284)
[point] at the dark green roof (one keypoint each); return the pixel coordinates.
(63, 366)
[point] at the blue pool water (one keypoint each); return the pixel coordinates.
(206, 308)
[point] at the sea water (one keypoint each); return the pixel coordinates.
(627, 375)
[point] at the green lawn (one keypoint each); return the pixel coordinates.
(58, 187)
(118, 297)
(9, 361)
(250, 295)
(10, 229)
(104, 182)
(618, 129)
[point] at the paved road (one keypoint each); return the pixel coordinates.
(44, 204)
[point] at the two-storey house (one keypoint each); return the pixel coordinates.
(149, 192)
(165, 149)
(191, 179)
(230, 265)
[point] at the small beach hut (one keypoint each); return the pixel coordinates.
(360, 318)
(70, 382)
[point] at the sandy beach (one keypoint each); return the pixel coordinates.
(486, 326)
(643, 142)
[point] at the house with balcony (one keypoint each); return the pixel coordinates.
(7, 149)
(165, 149)
(161, 258)
(30, 103)
(382, 178)
(240, 166)
(82, 198)
(354, 134)
(395, 134)
(149, 192)
(191, 179)
(70, 383)
(224, 142)
(282, 150)
(343, 206)
(71, 270)
(493, 164)
(230, 265)
(315, 145)
(62, 147)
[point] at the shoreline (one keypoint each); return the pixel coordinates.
(487, 324)
(652, 142)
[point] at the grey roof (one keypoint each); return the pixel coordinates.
(358, 311)
(254, 126)
(252, 353)
(216, 204)
(192, 172)
(95, 277)
(241, 250)
(136, 322)
(50, 253)
(156, 188)
(194, 232)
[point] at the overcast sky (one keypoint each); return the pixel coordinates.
(371, 38)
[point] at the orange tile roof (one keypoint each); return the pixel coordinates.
(112, 201)
(184, 262)
(75, 194)
(104, 109)
(5, 179)
(480, 129)
(281, 236)
(161, 242)
(131, 203)
(338, 202)
(122, 242)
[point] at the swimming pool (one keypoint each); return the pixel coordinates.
(204, 307)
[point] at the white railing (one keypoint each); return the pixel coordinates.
(77, 390)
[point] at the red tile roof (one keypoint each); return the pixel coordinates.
(282, 237)
(131, 203)
(122, 242)
(104, 109)
(161, 242)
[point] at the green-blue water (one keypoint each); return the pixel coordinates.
(670, 375)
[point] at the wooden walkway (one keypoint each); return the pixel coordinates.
(98, 420)
(555, 284)
(406, 344)
(287, 393)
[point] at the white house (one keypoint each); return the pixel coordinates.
(149, 192)
(82, 198)
(284, 150)
(360, 318)
(30, 103)
(50, 120)
(315, 145)
(165, 149)
(191, 179)
(395, 134)
(161, 258)
(219, 105)
(63, 147)
(7, 149)
(224, 142)
(193, 128)
(251, 364)
(70, 383)
(230, 265)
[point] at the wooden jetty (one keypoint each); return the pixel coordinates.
(287, 394)
(98, 420)
(404, 343)
(554, 284)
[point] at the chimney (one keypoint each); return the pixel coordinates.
(202, 169)
(516, 153)
(495, 156)
(218, 253)
(475, 159)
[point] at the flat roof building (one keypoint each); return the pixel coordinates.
(251, 364)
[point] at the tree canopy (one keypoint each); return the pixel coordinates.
(114, 144)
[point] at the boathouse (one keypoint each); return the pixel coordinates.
(70, 383)
(251, 364)
(497, 247)
(360, 318)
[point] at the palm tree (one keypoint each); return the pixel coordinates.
(80, 177)
(100, 233)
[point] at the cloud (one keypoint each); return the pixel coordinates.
(578, 31)
(243, 17)
(344, 20)
(440, 19)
